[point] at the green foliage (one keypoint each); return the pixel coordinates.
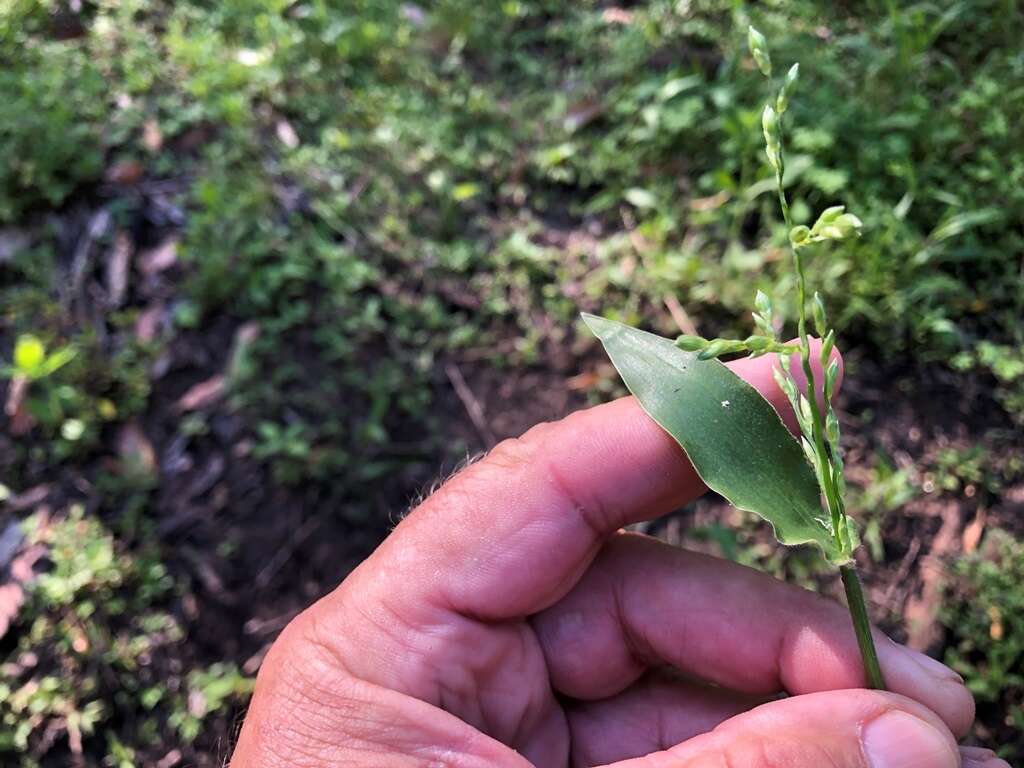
(73, 391)
(72, 386)
(95, 624)
(956, 469)
(388, 175)
(1005, 363)
(32, 362)
(50, 124)
(210, 690)
(984, 614)
(60, 114)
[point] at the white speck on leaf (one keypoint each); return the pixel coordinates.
(725, 403)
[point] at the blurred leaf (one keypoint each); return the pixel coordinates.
(677, 85)
(57, 360)
(961, 222)
(29, 354)
(640, 198)
(465, 191)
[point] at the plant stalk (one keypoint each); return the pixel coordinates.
(832, 498)
(862, 626)
(826, 468)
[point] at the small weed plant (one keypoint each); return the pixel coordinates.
(97, 663)
(984, 614)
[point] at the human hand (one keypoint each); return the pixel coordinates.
(508, 621)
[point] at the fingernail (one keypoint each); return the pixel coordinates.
(899, 740)
(978, 754)
(932, 666)
(992, 762)
(979, 757)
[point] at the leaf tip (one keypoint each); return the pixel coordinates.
(598, 326)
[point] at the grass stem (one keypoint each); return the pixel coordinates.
(862, 626)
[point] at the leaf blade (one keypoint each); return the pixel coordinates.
(732, 435)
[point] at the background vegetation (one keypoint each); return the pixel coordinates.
(284, 262)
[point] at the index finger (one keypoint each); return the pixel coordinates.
(510, 535)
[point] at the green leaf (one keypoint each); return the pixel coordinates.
(29, 354)
(674, 87)
(960, 223)
(57, 360)
(465, 191)
(640, 198)
(732, 435)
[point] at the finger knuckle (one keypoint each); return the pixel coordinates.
(517, 452)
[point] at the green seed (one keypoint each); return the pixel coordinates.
(691, 343)
(812, 457)
(831, 374)
(804, 416)
(782, 101)
(835, 224)
(799, 235)
(717, 348)
(819, 315)
(832, 427)
(827, 346)
(758, 46)
(830, 214)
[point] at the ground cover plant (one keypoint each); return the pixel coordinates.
(303, 257)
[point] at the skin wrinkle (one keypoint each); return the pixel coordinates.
(632, 634)
(514, 455)
(575, 641)
(541, 702)
(661, 739)
(594, 516)
(458, 682)
(474, 676)
(583, 721)
(312, 740)
(824, 657)
(632, 628)
(393, 729)
(392, 640)
(639, 659)
(658, 711)
(781, 652)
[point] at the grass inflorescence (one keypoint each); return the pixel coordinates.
(819, 424)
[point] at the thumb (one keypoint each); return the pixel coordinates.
(835, 729)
